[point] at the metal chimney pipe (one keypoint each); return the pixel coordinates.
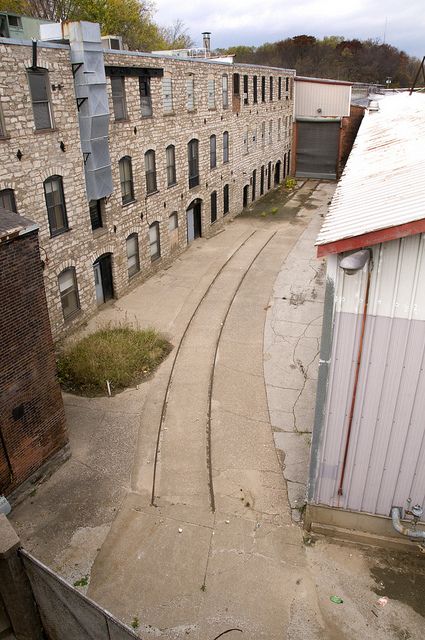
(206, 37)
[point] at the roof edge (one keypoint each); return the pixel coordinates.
(372, 238)
(323, 81)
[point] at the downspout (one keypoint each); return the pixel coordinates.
(407, 531)
(356, 378)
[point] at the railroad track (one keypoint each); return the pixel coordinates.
(178, 350)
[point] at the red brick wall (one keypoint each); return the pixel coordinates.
(27, 366)
(349, 127)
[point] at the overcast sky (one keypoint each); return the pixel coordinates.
(253, 22)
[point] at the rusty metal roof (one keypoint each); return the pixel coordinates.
(382, 185)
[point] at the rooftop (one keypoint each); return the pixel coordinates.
(12, 225)
(322, 80)
(380, 195)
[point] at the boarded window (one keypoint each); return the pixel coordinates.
(190, 93)
(226, 146)
(55, 202)
(245, 89)
(225, 199)
(193, 162)
(167, 94)
(7, 200)
(213, 206)
(225, 90)
(236, 84)
(133, 263)
(40, 98)
(68, 292)
(255, 89)
(126, 180)
(213, 152)
(170, 154)
(211, 93)
(173, 228)
(150, 171)
(118, 98)
(145, 96)
(154, 242)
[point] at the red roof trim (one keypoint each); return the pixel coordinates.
(374, 237)
(323, 81)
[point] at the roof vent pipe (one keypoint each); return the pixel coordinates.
(206, 39)
(412, 533)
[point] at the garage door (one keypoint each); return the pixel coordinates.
(317, 149)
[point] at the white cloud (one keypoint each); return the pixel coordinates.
(253, 22)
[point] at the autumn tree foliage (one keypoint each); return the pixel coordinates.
(334, 57)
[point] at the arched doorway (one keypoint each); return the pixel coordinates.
(245, 196)
(102, 269)
(284, 166)
(194, 220)
(277, 172)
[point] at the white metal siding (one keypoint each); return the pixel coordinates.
(386, 459)
(332, 99)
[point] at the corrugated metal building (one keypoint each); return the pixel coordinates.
(368, 450)
(320, 107)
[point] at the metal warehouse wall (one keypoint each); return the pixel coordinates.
(386, 457)
(332, 99)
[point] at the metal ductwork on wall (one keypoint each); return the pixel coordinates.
(93, 108)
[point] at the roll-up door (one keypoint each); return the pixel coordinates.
(317, 149)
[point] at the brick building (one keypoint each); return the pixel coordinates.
(32, 426)
(122, 158)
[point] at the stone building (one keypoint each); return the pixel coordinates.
(32, 426)
(123, 158)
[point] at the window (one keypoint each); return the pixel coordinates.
(7, 200)
(245, 89)
(96, 208)
(270, 131)
(254, 184)
(236, 84)
(118, 98)
(263, 88)
(2, 127)
(271, 89)
(193, 160)
(150, 171)
(226, 146)
(213, 152)
(254, 89)
(291, 88)
(68, 292)
(263, 133)
(55, 202)
(170, 154)
(269, 175)
(287, 84)
(211, 93)
(40, 98)
(126, 179)
(213, 206)
(167, 93)
(225, 199)
(154, 244)
(245, 141)
(225, 90)
(279, 127)
(15, 21)
(262, 181)
(133, 263)
(279, 88)
(173, 228)
(145, 96)
(190, 93)
(254, 138)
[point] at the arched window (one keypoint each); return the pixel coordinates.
(271, 88)
(225, 199)
(133, 263)
(193, 161)
(118, 97)
(68, 292)
(55, 203)
(170, 155)
(154, 242)
(226, 146)
(126, 179)
(150, 171)
(40, 97)
(213, 152)
(213, 206)
(7, 200)
(173, 228)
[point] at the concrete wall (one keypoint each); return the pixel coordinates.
(42, 157)
(386, 454)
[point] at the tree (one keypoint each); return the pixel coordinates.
(177, 36)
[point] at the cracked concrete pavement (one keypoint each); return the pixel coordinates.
(179, 568)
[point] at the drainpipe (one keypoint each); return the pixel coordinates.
(358, 363)
(407, 531)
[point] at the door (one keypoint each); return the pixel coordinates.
(102, 270)
(190, 225)
(317, 149)
(194, 221)
(277, 173)
(284, 166)
(254, 184)
(269, 175)
(245, 196)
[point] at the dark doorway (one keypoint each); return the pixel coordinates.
(284, 166)
(269, 175)
(317, 149)
(103, 278)
(245, 196)
(288, 166)
(262, 181)
(277, 173)
(194, 220)
(254, 184)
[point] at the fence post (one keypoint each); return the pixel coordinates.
(15, 588)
